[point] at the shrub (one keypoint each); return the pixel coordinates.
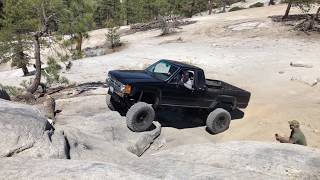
(113, 37)
(258, 4)
(26, 83)
(11, 90)
(167, 27)
(236, 8)
(51, 73)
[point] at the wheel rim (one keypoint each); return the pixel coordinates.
(140, 119)
(221, 122)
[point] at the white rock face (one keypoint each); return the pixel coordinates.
(98, 147)
(232, 160)
(25, 132)
(16, 168)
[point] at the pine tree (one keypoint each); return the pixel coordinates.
(14, 33)
(77, 20)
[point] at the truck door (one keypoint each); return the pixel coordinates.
(179, 93)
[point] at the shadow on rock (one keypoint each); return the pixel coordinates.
(188, 118)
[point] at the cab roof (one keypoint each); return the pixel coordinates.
(181, 64)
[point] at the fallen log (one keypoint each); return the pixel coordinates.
(157, 24)
(300, 65)
(311, 84)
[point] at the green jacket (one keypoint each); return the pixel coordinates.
(297, 137)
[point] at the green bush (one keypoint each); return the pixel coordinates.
(114, 37)
(12, 90)
(258, 4)
(236, 8)
(26, 83)
(52, 73)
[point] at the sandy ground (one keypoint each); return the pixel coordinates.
(243, 48)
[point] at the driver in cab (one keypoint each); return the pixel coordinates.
(187, 79)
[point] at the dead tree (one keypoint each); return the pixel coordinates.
(36, 40)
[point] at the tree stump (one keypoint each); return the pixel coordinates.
(50, 108)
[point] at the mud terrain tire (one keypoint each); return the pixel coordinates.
(218, 121)
(140, 117)
(4, 95)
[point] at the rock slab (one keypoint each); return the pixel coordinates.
(24, 131)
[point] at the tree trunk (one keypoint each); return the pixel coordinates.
(311, 22)
(79, 39)
(271, 2)
(36, 82)
(287, 10)
(210, 7)
(25, 70)
(224, 6)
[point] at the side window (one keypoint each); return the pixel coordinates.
(177, 78)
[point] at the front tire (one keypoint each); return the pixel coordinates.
(218, 121)
(110, 103)
(140, 117)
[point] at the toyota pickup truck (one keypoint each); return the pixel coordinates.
(137, 94)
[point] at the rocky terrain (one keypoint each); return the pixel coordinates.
(244, 48)
(31, 148)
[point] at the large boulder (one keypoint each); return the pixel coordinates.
(25, 132)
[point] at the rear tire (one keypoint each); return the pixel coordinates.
(140, 117)
(218, 121)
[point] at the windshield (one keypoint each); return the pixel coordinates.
(162, 70)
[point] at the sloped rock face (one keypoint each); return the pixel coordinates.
(25, 132)
(16, 168)
(232, 160)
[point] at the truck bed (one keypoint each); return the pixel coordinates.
(216, 84)
(242, 96)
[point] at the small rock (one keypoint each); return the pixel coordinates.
(145, 140)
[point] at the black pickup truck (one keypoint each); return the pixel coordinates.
(166, 83)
